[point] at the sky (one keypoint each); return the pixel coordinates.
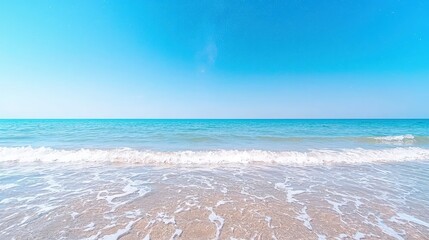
(214, 59)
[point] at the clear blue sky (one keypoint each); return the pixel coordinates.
(214, 59)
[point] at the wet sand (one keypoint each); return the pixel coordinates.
(64, 201)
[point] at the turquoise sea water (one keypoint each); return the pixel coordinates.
(212, 134)
(406, 137)
(290, 179)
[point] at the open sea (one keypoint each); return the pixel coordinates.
(214, 141)
(214, 179)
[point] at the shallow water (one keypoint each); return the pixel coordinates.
(112, 201)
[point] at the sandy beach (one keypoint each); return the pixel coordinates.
(214, 119)
(367, 201)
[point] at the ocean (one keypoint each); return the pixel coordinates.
(214, 179)
(211, 141)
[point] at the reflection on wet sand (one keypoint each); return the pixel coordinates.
(370, 201)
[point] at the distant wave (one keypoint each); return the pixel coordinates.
(394, 139)
(398, 139)
(127, 155)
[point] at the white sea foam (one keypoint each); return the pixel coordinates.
(395, 139)
(312, 157)
(217, 220)
(7, 186)
(305, 218)
(121, 232)
(408, 218)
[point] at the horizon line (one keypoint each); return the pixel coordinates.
(214, 118)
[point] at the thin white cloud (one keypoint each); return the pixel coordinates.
(207, 56)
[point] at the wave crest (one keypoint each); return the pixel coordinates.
(397, 138)
(127, 155)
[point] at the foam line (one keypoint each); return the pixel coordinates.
(312, 157)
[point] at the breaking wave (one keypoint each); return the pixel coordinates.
(127, 155)
(399, 138)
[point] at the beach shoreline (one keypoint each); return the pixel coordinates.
(128, 201)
